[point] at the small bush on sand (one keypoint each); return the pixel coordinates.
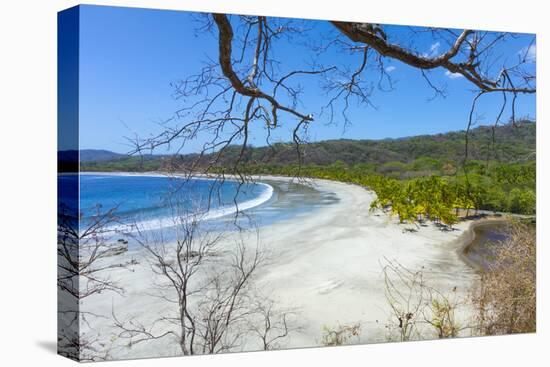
(340, 335)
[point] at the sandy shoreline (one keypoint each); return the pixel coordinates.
(330, 265)
(327, 265)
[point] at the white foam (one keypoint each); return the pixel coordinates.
(211, 214)
(163, 222)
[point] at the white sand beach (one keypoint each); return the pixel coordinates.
(326, 264)
(330, 264)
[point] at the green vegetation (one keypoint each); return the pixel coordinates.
(124, 164)
(438, 196)
(416, 178)
(428, 153)
(510, 143)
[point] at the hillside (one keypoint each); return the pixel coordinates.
(511, 143)
(98, 155)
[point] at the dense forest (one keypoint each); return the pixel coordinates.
(415, 178)
(510, 143)
(506, 143)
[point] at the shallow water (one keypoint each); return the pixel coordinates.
(487, 238)
(144, 201)
(150, 198)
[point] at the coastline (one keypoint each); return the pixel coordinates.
(326, 264)
(468, 237)
(216, 213)
(333, 262)
(463, 242)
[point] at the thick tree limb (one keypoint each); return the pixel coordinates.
(226, 64)
(363, 33)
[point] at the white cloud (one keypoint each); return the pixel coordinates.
(453, 75)
(530, 53)
(434, 50)
(390, 68)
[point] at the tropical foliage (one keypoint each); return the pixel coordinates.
(415, 178)
(438, 197)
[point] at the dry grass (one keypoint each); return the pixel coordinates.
(503, 301)
(506, 297)
(340, 335)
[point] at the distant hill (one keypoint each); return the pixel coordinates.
(511, 143)
(98, 155)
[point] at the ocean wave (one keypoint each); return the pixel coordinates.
(164, 222)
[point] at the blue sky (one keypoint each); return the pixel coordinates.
(130, 57)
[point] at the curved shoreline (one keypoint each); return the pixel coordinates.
(464, 241)
(333, 261)
(220, 212)
(322, 263)
(468, 237)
